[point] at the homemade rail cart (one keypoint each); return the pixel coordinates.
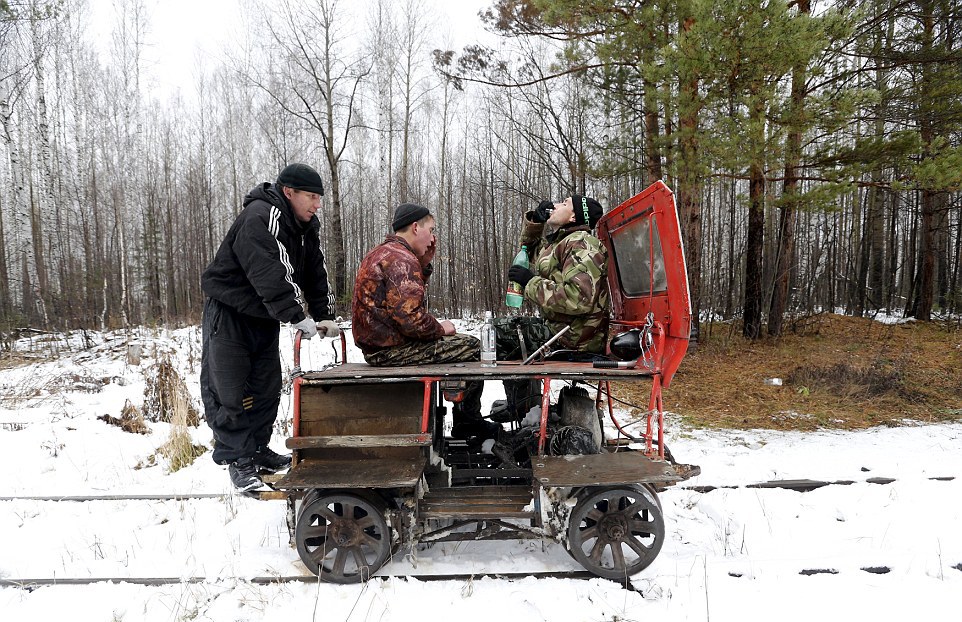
(373, 469)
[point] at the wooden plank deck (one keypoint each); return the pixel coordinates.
(356, 440)
(610, 469)
(477, 502)
(352, 373)
(354, 473)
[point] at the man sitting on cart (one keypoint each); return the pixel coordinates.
(569, 282)
(391, 322)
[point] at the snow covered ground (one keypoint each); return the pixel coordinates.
(734, 553)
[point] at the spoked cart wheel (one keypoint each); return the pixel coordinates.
(616, 532)
(342, 538)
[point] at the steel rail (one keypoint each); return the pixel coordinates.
(800, 485)
(144, 497)
(160, 581)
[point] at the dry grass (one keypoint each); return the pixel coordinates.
(131, 420)
(162, 389)
(9, 360)
(837, 372)
(179, 449)
(167, 399)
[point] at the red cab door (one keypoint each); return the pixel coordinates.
(647, 272)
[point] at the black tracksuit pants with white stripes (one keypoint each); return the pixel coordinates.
(240, 380)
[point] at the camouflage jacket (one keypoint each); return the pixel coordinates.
(571, 285)
(389, 299)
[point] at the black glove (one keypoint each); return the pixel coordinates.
(543, 211)
(520, 275)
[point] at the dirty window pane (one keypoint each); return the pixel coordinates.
(634, 257)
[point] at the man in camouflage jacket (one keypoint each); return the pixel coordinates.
(390, 319)
(569, 281)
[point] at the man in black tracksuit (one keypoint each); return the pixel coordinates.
(269, 269)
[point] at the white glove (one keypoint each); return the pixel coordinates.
(328, 328)
(307, 326)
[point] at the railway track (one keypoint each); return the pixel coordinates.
(30, 584)
(146, 497)
(798, 485)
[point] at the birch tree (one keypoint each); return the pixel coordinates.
(316, 85)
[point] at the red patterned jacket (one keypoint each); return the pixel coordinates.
(389, 299)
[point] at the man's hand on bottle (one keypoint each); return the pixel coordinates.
(520, 275)
(542, 212)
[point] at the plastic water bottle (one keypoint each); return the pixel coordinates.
(488, 345)
(514, 296)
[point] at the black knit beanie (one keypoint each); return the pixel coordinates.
(301, 177)
(406, 213)
(588, 211)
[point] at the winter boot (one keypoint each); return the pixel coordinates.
(270, 461)
(243, 475)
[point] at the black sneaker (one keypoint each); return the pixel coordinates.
(270, 461)
(243, 475)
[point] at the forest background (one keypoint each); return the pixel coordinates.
(814, 148)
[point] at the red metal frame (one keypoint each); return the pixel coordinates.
(545, 407)
(671, 307)
(296, 384)
(426, 410)
(655, 406)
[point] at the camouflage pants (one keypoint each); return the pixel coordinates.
(456, 348)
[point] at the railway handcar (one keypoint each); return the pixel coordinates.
(374, 468)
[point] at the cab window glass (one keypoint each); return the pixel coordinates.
(634, 256)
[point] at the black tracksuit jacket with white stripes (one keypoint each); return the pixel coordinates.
(270, 265)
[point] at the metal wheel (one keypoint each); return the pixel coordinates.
(616, 532)
(342, 538)
(309, 497)
(654, 493)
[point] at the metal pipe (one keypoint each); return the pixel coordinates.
(546, 345)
